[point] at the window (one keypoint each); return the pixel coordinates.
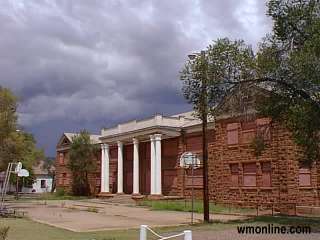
(234, 170)
(60, 180)
(113, 153)
(43, 184)
(63, 179)
(61, 158)
(249, 175)
(232, 134)
(304, 177)
(263, 128)
(266, 174)
(194, 143)
(248, 131)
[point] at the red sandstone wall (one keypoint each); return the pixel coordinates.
(66, 182)
(280, 151)
(191, 142)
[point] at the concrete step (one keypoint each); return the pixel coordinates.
(125, 199)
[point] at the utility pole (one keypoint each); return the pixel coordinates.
(203, 112)
(204, 119)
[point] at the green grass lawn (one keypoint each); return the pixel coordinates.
(185, 206)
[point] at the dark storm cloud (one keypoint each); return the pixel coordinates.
(87, 64)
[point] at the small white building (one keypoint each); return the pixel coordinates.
(42, 181)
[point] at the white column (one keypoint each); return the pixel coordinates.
(135, 166)
(158, 164)
(106, 167)
(102, 169)
(120, 167)
(152, 166)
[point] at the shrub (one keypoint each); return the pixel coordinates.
(60, 192)
(92, 209)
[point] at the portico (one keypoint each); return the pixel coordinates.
(139, 157)
(155, 166)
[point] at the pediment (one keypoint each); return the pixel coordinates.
(241, 100)
(63, 141)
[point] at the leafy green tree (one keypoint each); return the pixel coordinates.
(225, 64)
(15, 145)
(48, 165)
(289, 59)
(8, 116)
(82, 162)
(208, 78)
(286, 64)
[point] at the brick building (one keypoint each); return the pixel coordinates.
(63, 174)
(241, 173)
(143, 158)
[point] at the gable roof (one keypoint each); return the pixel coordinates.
(40, 170)
(67, 137)
(236, 104)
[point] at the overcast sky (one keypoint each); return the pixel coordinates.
(92, 63)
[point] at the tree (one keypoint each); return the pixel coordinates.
(8, 116)
(289, 59)
(82, 162)
(49, 167)
(8, 125)
(205, 84)
(286, 65)
(225, 63)
(15, 145)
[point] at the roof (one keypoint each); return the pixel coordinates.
(94, 138)
(190, 115)
(158, 123)
(39, 169)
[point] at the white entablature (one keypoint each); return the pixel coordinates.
(158, 121)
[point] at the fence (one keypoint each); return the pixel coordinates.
(144, 230)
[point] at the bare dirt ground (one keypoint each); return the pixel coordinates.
(82, 216)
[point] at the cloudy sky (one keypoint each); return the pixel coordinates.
(91, 63)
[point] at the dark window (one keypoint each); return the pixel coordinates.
(263, 128)
(61, 158)
(43, 184)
